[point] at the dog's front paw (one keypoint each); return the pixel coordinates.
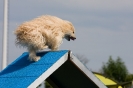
(44, 47)
(36, 58)
(54, 49)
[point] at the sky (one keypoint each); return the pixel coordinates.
(103, 27)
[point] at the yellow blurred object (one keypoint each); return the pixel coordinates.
(108, 82)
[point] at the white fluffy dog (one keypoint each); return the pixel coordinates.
(43, 32)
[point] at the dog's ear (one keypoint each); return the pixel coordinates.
(69, 23)
(70, 26)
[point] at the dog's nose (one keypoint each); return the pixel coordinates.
(73, 38)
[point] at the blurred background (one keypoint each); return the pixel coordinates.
(103, 27)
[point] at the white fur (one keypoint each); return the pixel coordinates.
(43, 32)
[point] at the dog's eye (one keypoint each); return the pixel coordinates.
(73, 32)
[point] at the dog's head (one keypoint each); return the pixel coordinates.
(69, 31)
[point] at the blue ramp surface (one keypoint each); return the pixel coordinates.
(22, 72)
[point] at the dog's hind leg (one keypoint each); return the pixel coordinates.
(32, 54)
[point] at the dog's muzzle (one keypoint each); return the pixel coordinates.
(71, 38)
